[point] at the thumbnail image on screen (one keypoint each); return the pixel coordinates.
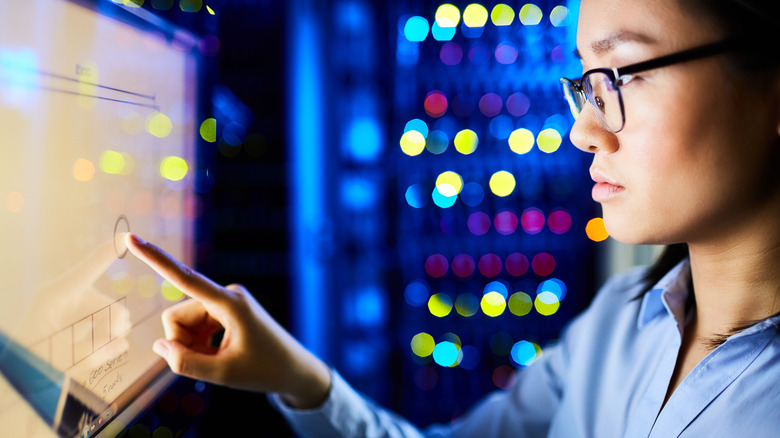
(97, 134)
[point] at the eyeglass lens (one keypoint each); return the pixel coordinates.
(605, 100)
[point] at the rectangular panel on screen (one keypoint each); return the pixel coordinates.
(97, 115)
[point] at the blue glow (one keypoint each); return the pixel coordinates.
(437, 142)
(307, 182)
(416, 28)
(417, 293)
(472, 194)
(370, 307)
(471, 32)
(442, 33)
(501, 127)
(471, 357)
(442, 200)
(554, 286)
(416, 196)
(364, 139)
(496, 286)
(448, 125)
(445, 353)
(557, 122)
(523, 353)
(358, 193)
(19, 68)
(417, 125)
(234, 134)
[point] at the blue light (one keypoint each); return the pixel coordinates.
(442, 33)
(523, 353)
(417, 293)
(416, 125)
(416, 28)
(471, 357)
(358, 193)
(472, 194)
(553, 285)
(369, 307)
(364, 139)
(557, 122)
(437, 142)
(501, 127)
(496, 286)
(416, 196)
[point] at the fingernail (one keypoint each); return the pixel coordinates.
(160, 347)
(137, 239)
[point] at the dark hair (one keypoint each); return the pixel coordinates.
(758, 22)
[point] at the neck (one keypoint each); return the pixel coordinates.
(736, 278)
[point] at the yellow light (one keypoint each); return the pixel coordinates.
(208, 130)
(546, 303)
(122, 283)
(558, 16)
(466, 141)
(440, 305)
(83, 170)
(549, 140)
(173, 168)
(475, 15)
(502, 15)
(520, 303)
(596, 230)
(465, 305)
(521, 141)
(112, 162)
(190, 5)
(159, 125)
(14, 201)
(447, 15)
(412, 143)
(452, 179)
(502, 183)
(423, 344)
(530, 14)
(210, 11)
(493, 304)
(170, 292)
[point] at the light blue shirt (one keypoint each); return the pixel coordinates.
(607, 377)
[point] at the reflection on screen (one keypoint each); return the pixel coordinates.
(96, 128)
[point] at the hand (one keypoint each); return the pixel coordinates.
(255, 353)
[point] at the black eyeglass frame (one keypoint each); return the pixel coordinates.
(621, 75)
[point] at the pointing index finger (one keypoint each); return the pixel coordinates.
(189, 281)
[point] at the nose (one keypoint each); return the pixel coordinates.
(589, 135)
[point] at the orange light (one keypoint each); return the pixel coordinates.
(595, 230)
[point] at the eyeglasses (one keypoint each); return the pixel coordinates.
(601, 86)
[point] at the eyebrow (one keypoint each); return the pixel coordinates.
(607, 44)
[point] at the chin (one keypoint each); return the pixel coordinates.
(633, 230)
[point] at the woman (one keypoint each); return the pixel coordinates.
(685, 143)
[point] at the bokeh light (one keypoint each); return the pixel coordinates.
(506, 53)
(520, 304)
(422, 344)
(490, 104)
(437, 142)
(543, 264)
(595, 230)
(470, 357)
(158, 124)
(554, 286)
(530, 14)
(435, 103)
(493, 304)
(412, 143)
(549, 140)
(451, 53)
(502, 15)
(521, 141)
(525, 353)
(532, 220)
(472, 194)
(447, 15)
(417, 125)
(466, 141)
(546, 303)
(173, 168)
(489, 265)
(417, 293)
(416, 28)
(83, 170)
(170, 292)
(475, 15)
(504, 377)
(436, 265)
(440, 305)
(444, 195)
(466, 304)
(517, 264)
(502, 183)
(518, 104)
(478, 223)
(559, 221)
(440, 33)
(505, 222)
(501, 127)
(452, 179)
(416, 196)
(559, 17)
(463, 265)
(112, 162)
(446, 354)
(208, 130)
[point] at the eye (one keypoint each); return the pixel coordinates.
(599, 103)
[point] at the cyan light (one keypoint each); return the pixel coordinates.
(445, 353)
(417, 293)
(523, 353)
(416, 196)
(554, 286)
(417, 125)
(442, 33)
(416, 28)
(358, 193)
(364, 139)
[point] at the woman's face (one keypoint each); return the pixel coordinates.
(698, 154)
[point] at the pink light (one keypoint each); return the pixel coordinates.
(436, 265)
(506, 222)
(532, 220)
(489, 265)
(543, 264)
(517, 264)
(463, 265)
(478, 223)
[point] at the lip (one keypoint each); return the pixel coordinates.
(605, 188)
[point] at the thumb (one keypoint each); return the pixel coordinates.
(184, 361)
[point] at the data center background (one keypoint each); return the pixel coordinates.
(399, 192)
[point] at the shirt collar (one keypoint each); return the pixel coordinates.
(668, 295)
